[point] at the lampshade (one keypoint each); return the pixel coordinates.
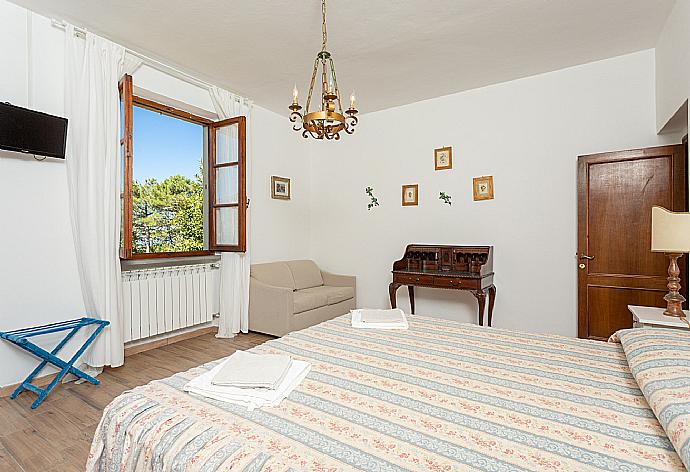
(670, 231)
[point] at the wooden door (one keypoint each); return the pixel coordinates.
(616, 192)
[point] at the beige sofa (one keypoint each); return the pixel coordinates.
(292, 295)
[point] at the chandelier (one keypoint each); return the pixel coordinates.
(329, 120)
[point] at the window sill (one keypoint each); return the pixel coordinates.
(136, 264)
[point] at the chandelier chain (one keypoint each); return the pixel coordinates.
(323, 24)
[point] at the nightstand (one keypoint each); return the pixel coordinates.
(653, 317)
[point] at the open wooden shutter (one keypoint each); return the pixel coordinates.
(126, 167)
(227, 195)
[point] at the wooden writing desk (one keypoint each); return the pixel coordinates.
(449, 267)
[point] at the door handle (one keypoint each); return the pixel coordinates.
(585, 256)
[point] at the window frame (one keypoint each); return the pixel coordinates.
(130, 100)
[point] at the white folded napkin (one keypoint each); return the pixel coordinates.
(248, 370)
(249, 398)
(395, 314)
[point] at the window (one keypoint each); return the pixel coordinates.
(183, 181)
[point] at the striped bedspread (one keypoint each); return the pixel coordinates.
(442, 396)
(659, 359)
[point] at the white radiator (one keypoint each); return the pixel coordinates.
(162, 300)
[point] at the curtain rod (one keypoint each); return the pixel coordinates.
(170, 70)
(182, 75)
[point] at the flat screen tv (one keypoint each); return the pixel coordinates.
(32, 132)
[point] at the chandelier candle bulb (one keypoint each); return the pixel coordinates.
(352, 101)
(294, 95)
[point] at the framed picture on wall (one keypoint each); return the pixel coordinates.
(483, 187)
(443, 158)
(410, 195)
(280, 188)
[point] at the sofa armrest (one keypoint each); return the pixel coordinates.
(270, 308)
(336, 280)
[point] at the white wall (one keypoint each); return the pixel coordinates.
(673, 64)
(527, 134)
(280, 228)
(39, 282)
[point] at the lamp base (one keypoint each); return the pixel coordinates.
(674, 308)
(674, 300)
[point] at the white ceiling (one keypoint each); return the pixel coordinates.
(390, 52)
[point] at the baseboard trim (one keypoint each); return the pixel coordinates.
(147, 346)
(44, 380)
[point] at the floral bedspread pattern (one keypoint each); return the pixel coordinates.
(441, 396)
(659, 359)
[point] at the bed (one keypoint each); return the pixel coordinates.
(441, 396)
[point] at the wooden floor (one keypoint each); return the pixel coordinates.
(57, 435)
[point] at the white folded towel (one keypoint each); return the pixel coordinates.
(250, 398)
(372, 317)
(395, 315)
(247, 370)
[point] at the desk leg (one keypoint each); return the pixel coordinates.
(492, 299)
(480, 295)
(392, 288)
(410, 290)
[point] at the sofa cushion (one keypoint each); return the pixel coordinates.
(316, 297)
(309, 299)
(306, 274)
(277, 274)
(337, 294)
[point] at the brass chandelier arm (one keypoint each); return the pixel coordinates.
(313, 81)
(296, 117)
(350, 123)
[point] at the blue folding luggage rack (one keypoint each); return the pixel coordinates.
(20, 337)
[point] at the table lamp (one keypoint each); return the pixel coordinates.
(671, 235)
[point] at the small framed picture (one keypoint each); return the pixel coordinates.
(443, 158)
(483, 187)
(280, 188)
(410, 195)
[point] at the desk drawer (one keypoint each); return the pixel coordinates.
(456, 282)
(414, 279)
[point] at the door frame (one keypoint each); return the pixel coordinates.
(680, 203)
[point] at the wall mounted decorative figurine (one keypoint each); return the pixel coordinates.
(374, 201)
(280, 188)
(483, 187)
(443, 158)
(445, 197)
(410, 195)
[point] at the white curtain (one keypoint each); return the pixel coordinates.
(93, 67)
(234, 267)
